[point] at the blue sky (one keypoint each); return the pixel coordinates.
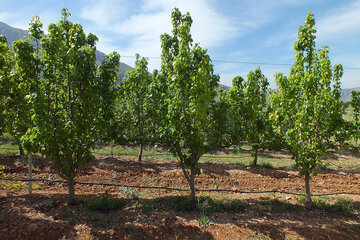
(233, 31)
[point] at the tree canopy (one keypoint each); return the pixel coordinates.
(74, 100)
(191, 85)
(307, 106)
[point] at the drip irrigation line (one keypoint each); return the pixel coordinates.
(179, 189)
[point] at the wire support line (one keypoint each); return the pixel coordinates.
(180, 189)
(242, 62)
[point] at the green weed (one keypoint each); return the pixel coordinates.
(204, 220)
(17, 186)
(106, 203)
(131, 193)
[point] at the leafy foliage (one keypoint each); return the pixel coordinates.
(189, 90)
(133, 114)
(6, 65)
(74, 99)
(307, 107)
(355, 104)
(248, 114)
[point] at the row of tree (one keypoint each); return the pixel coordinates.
(56, 101)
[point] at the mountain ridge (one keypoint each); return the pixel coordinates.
(13, 34)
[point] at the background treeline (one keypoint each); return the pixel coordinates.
(56, 100)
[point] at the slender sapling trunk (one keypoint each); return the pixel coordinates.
(22, 154)
(112, 149)
(308, 202)
(29, 173)
(71, 191)
(255, 157)
(140, 152)
(193, 200)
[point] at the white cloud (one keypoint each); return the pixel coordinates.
(342, 23)
(147, 23)
(104, 13)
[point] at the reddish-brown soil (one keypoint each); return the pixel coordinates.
(24, 216)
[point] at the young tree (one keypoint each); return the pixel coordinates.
(22, 84)
(134, 91)
(75, 98)
(6, 66)
(219, 120)
(306, 106)
(249, 115)
(190, 84)
(355, 104)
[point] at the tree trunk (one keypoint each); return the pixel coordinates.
(308, 203)
(71, 186)
(255, 157)
(112, 149)
(140, 152)
(22, 154)
(193, 201)
(29, 173)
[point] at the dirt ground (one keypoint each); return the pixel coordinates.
(46, 215)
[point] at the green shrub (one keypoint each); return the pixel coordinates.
(106, 203)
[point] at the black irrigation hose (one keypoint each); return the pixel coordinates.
(180, 189)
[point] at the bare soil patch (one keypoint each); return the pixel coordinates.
(46, 215)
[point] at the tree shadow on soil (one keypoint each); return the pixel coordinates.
(124, 164)
(54, 219)
(14, 165)
(275, 218)
(164, 217)
(16, 223)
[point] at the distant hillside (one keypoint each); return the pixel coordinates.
(13, 34)
(345, 93)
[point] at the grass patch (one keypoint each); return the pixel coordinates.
(258, 236)
(149, 181)
(266, 165)
(341, 204)
(275, 204)
(336, 204)
(148, 152)
(206, 205)
(36, 187)
(70, 215)
(227, 205)
(17, 185)
(240, 164)
(9, 149)
(131, 193)
(105, 203)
